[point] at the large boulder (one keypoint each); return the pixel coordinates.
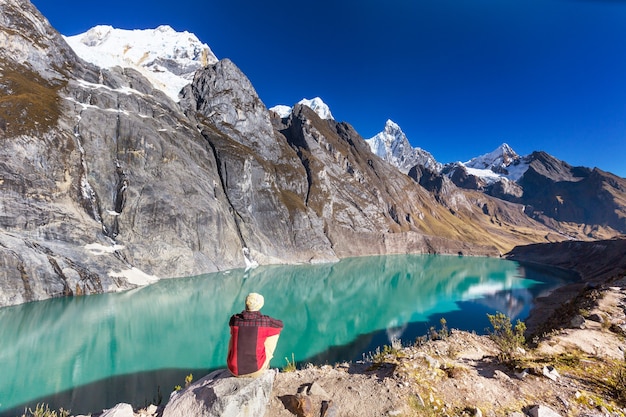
(219, 394)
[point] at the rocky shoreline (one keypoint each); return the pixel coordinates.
(596, 263)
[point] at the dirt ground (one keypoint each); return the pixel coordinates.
(569, 371)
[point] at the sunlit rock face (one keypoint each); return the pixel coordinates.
(105, 183)
(263, 178)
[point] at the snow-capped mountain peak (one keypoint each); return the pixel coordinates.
(282, 110)
(392, 128)
(503, 162)
(319, 107)
(316, 104)
(502, 156)
(167, 58)
(393, 146)
(390, 142)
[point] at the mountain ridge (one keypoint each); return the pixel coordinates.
(106, 46)
(109, 183)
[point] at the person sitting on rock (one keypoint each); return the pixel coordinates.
(253, 338)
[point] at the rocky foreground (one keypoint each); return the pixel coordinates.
(578, 370)
(573, 364)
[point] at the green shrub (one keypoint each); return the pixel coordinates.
(440, 334)
(388, 353)
(508, 338)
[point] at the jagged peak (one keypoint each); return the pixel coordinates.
(393, 146)
(318, 106)
(506, 148)
(502, 156)
(392, 126)
(503, 162)
(282, 110)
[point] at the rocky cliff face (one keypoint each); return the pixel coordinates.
(107, 183)
(262, 177)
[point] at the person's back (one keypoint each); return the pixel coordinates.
(253, 338)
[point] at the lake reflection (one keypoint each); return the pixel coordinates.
(89, 353)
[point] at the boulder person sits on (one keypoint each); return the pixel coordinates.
(253, 338)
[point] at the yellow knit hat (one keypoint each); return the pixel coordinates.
(254, 301)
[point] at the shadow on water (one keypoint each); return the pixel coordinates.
(139, 390)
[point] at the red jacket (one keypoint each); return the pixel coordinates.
(248, 331)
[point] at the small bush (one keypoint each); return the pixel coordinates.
(440, 334)
(444, 332)
(508, 338)
(380, 357)
(455, 371)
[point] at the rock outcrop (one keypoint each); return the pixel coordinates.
(262, 177)
(105, 183)
(220, 394)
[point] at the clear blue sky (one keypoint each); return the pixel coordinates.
(460, 77)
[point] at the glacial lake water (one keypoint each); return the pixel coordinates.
(89, 353)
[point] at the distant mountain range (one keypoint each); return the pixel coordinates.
(131, 156)
(548, 189)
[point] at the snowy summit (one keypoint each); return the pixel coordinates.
(393, 146)
(167, 58)
(316, 104)
(503, 162)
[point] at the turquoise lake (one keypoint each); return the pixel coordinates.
(90, 353)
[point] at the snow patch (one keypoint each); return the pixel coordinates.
(135, 276)
(98, 249)
(250, 263)
(282, 110)
(319, 107)
(502, 163)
